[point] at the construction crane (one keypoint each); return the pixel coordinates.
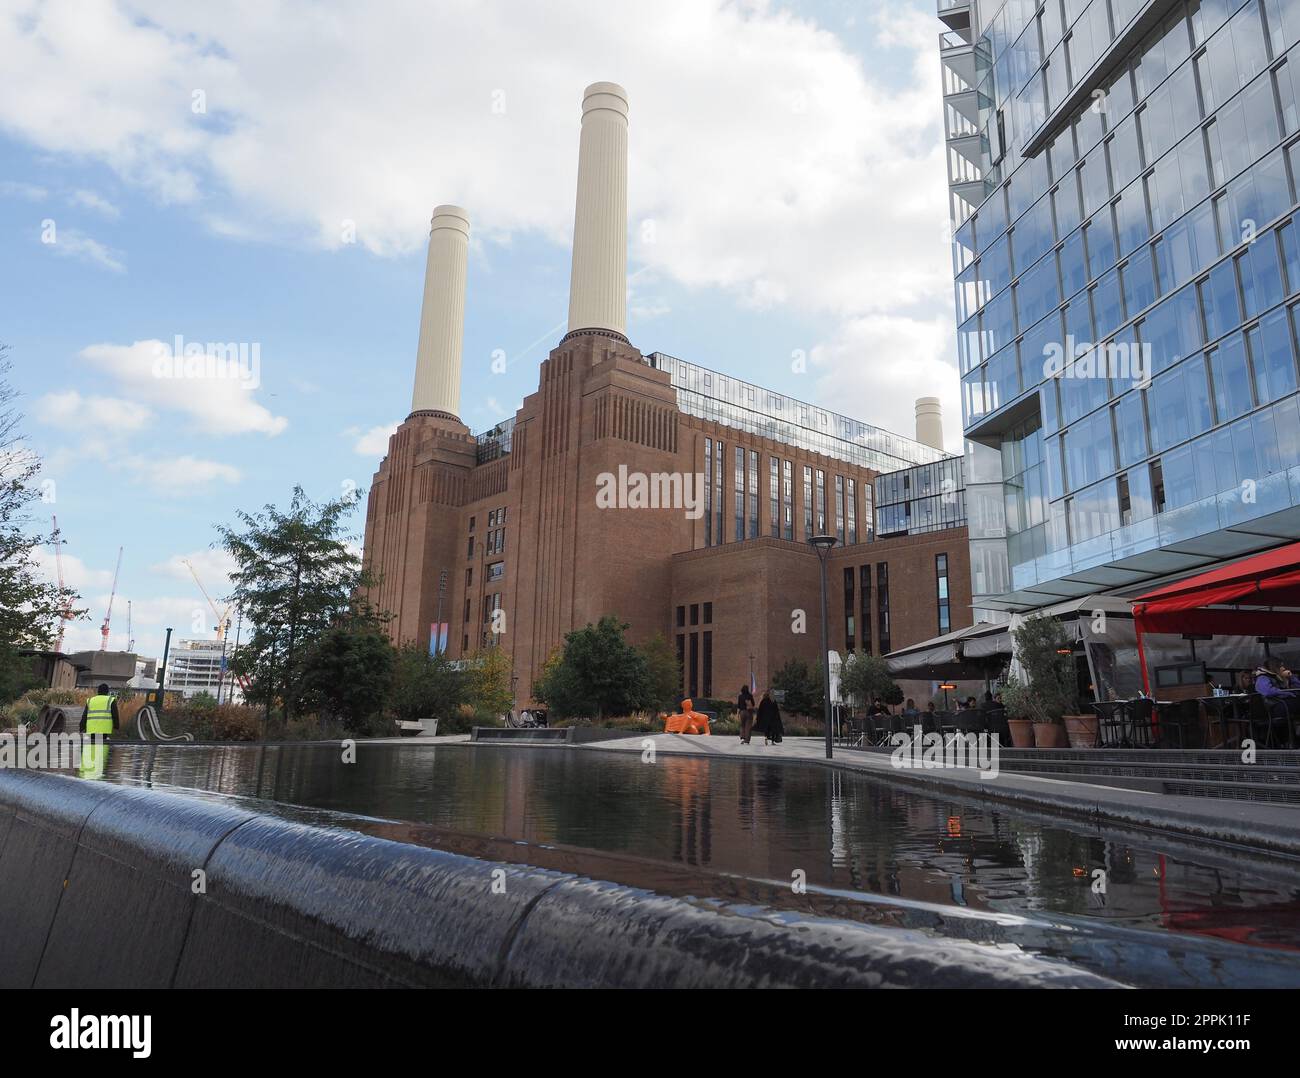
(223, 617)
(65, 614)
(223, 621)
(108, 614)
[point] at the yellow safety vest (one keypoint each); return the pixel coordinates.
(99, 715)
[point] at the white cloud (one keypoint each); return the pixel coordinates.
(222, 405)
(374, 442)
(765, 158)
(76, 574)
(178, 477)
(73, 243)
(92, 201)
(889, 361)
(70, 408)
(28, 191)
(213, 567)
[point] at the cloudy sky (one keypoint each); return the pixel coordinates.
(263, 173)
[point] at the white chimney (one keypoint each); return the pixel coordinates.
(442, 315)
(929, 422)
(598, 287)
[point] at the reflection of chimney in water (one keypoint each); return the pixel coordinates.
(598, 286)
(442, 315)
(929, 422)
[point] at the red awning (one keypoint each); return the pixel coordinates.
(1193, 604)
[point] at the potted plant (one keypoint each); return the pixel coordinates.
(1048, 693)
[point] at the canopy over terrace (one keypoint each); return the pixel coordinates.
(1256, 596)
(967, 653)
(1102, 623)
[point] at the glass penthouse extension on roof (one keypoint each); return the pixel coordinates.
(755, 410)
(1123, 180)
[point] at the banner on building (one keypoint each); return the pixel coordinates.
(437, 637)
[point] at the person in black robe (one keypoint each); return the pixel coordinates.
(769, 720)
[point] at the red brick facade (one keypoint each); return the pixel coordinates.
(524, 534)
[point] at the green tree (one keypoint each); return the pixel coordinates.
(663, 673)
(598, 674)
(30, 607)
(802, 686)
(866, 677)
(346, 672)
(487, 677)
(296, 578)
(425, 686)
(1046, 655)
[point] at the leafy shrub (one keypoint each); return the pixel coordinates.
(233, 722)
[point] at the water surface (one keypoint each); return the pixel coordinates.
(702, 820)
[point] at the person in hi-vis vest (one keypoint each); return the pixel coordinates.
(98, 720)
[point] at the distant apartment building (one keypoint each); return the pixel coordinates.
(196, 666)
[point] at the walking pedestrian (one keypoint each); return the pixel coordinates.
(745, 706)
(769, 720)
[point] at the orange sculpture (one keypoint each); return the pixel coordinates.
(689, 721)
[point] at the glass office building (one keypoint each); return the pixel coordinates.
(923, 498)
(1123, 181)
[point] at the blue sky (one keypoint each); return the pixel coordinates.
(786, 195)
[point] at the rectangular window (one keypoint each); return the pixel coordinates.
(941, 576)
(469, 578)
(708, 613)
(807, 503)
(693, 681)
(470, 549)
(719, 482)
(681, 616)
(821, 502)
(864, 606)
(839, 509)
(852, 506)
(753, 494)
(849, 642)
(787, 500)
(695, 613)
(708, 491)
(882, 604)
(774, 497)
(738, 493)
(496, 570)
(707, 673)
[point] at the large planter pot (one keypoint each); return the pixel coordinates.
(1022, 733)
(1082, 731)
(1049, 735)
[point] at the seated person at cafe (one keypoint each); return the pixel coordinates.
(909, 708)
(1278, 686)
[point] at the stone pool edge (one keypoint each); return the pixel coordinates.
(114, 886)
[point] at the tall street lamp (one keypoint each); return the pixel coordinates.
(822, 544)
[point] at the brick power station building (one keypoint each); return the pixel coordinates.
(677, 498)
